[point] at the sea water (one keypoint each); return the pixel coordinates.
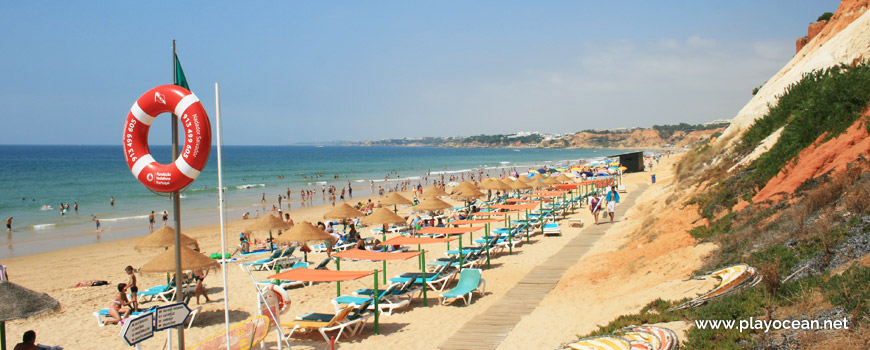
(34, 178)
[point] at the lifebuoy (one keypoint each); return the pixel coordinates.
(197, 138)
(282, 296)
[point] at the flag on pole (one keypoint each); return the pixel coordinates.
(180, 80)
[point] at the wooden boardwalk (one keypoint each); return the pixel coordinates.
(489, 329)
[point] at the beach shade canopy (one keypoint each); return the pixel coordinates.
(495, 213)
(383, 216)
(524, 179)
(17, 302)
(164, 237)
(433, 191)
(518, 200)
(312, 275)
(564, 179)
(395, 199)
(268, 222)
(302, 233)
(524, 206)
(464, 186)
(190, 260)
(476, 221)
(468, 194)
(433, 230)
(552, 181)
(494, 184)
(538, 184)
(569, 186)
(343, 211)
(520, 184)
(402, 240)
(432, 203)
(360, 254)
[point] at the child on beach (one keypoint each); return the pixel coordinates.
(119, 309)
(134, 289)
(97, 221)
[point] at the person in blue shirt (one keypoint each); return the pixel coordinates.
(612, 199)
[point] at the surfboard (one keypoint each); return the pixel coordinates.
(243, 336)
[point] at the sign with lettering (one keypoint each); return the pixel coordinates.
(138, 328)
(170, 316)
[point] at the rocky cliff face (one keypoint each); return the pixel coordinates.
(843, 39)
(639, 138)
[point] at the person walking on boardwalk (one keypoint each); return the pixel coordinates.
(612, 200)
(595, 207)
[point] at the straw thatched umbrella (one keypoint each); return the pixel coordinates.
(164, 237)
(17, 302)
(520, 185)
(537, 184)
(383, 216)
(343, 211)
(537, 176)
(564, 179)
(269, 222)
(304, 232)
(433, 191)
(190, 260)
(395, 199)
(432, 203)
(468, 195)
(524, 179)
(465, 185)
(552, 181)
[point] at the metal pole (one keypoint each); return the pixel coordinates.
(425, 300)
(217, 106)
(337, 283)
(376, 296)
(486, 233)
(176, 213)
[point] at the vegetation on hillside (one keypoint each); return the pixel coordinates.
(806, 245)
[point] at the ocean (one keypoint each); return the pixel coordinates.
(36, 180)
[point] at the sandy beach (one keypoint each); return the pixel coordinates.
(600, 286)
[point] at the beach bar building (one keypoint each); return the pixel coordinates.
(633, 162)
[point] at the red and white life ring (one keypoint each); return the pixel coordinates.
(197, 138)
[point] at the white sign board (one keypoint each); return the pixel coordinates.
(170, 316)
(138, 329)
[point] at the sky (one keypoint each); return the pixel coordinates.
(301, 72)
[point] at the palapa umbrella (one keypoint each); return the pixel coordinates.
(396, 199)
(383, 217)
(432, 203)
(343, 211)
(304, 232)
(17, 302)
(465, 185)
(269, 222)
(433, 191)
(537, 176)
(520, 185)
(164, 237)
(564, 179)
(190, 260)
(494, 184)
(467, 195)
(552, 181)
(537, 184)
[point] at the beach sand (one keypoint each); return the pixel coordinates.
(602, 285)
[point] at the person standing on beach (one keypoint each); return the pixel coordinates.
(132, 287)
(279, 201)
(9, 224)
(151, 221)
(349, 191)
(97, 222)
(112, 201)
(76, 207)
(263, 200)
(612, 200)
(594, 207)
(165, 217)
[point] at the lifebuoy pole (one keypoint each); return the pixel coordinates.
(176, 211)
(217, 107)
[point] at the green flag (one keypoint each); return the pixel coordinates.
(180, 80)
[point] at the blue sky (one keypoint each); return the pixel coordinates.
(352, 70)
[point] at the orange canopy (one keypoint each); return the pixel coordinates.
(568, 186)
(543, 197)
(550, 192)
(361, 254)
(416, 240)
(518, 200)
(472, 222)
(530, 205)
(311, 275)
(447, 230)
(494, 213)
